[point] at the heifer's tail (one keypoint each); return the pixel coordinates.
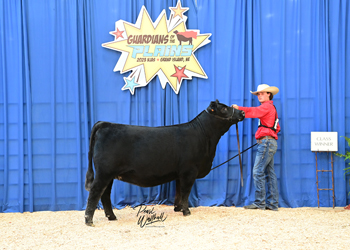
(90, 172)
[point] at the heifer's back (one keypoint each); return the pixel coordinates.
(148, 156)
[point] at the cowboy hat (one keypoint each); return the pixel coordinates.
(265, 88)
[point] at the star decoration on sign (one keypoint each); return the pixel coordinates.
(178, 10)
(130, 84)
(179, 73)
(117, 34)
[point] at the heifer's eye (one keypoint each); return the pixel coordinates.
(224, 109)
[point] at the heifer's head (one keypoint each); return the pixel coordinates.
(224, 112)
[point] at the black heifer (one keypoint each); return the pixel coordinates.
(150, 156)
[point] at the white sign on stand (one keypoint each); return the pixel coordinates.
(324, 141)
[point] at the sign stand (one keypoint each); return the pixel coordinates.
(324, 142)
(318, 189)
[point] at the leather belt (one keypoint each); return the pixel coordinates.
(265, 138)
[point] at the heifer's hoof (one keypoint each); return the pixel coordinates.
(186, 212)
(88, 221)
(177, 208)
(90, 224)
(111, 217)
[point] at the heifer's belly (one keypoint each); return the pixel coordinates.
(149, 179)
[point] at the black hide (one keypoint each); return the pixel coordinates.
(150, 156)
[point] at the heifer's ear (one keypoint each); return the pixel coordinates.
(217, 101)
(212, 107)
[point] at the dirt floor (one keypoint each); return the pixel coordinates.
(159, 227)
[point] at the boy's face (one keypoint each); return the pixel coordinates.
(263, 97)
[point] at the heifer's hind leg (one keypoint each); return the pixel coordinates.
(178, 201)
(106, 202)
(97, 188)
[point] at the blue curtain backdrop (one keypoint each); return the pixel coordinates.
(56, 81)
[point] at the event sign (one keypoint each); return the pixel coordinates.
(324, 141)
(164, 48)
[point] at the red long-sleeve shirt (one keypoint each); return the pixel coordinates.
(266, 113)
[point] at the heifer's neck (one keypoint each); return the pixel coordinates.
(213, 127)
(210, 129)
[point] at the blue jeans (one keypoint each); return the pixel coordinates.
(263, 172)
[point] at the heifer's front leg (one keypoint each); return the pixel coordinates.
(178, 201)
(186, 184)
(106, 202)
(97, 189)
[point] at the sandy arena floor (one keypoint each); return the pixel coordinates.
(206, 228)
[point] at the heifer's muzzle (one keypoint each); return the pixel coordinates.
(241, 113)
